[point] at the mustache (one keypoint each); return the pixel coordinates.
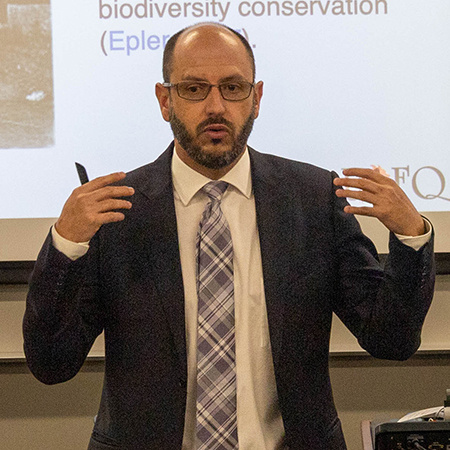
(214, 121)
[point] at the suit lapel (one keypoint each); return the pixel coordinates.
(274, 234)
(163, 248)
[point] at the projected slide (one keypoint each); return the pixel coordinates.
(346, 83)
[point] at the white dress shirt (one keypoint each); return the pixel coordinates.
(260, 426)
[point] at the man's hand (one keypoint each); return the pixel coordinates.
(390, 204)
(91, 205)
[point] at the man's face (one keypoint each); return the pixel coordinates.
(230, 144)
(211, 133)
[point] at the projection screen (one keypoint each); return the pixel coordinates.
(347, 83)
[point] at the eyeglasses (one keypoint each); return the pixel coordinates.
(196, 91)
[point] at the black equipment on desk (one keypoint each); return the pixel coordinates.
(412, 435)
(427, 429)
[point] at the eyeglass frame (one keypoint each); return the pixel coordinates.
(218, 86)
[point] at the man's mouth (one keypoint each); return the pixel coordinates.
(216, 131)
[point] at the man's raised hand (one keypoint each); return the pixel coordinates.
(92, 205)
(390, 204)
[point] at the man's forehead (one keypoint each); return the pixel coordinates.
(209, 46)
(213, 73)
(198, 34)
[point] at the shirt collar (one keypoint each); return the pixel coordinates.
(187, 182)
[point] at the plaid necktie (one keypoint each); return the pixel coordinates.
(216, 375)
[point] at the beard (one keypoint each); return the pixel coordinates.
(197, 153)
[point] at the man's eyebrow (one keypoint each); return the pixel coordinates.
(191, 78)
(236, 77)
(232, 78)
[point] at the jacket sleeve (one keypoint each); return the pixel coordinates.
(383, 307)
(63, 315)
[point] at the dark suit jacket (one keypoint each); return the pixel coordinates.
(315, 261)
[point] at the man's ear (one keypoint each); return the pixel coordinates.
(163, 96)
(258, 94)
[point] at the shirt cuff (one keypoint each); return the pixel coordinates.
(73, 250)
(416, 242)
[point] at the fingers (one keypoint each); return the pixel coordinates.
(371, 174)
(364, 196)
(103, 199)
(92, 205)
(113, 204)
(111, 217)
(358, 183)
(371, 183)
(107, 192)
(390, 204)
(103, 181)
(368, 185)
(369, 179)
(360, 210)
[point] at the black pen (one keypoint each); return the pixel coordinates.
(82, 174)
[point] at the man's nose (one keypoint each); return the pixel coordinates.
(214, 102)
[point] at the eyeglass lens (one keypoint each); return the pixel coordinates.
(234, 91)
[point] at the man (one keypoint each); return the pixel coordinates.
(128, 259)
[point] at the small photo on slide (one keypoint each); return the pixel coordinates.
(26, 79)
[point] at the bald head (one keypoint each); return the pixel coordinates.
(207, 35)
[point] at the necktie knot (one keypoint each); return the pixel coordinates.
(215, 189)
